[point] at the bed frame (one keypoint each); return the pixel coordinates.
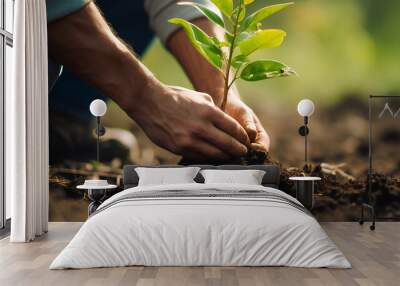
(131, 179)
(270, 179)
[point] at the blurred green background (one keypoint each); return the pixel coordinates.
(337, 47)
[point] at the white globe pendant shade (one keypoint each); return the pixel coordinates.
(305, 107)
(98, 107)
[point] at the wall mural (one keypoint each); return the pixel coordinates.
(337, 68)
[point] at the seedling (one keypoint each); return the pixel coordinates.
(243, 35)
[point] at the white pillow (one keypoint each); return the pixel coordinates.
(247, 177)
(165, 176)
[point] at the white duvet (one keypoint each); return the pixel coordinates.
(201, 231)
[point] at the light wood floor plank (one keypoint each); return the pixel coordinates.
(375, 257)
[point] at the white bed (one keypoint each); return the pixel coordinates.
(239, 229)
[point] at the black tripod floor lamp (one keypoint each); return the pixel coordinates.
(368, 202)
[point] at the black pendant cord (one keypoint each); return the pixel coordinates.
(305, 150)
(303, 131)
(369, 179)
(306, 141)
(98, 138)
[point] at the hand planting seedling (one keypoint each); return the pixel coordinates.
(243, 35)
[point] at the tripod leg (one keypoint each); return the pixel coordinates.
(372, 227)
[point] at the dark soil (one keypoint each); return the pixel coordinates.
(253, 157)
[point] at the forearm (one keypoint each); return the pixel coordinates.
(183, 121)
(204, 77)
(85, 44)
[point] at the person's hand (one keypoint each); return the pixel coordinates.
(259, 138)
(188, 123)
(206, 78)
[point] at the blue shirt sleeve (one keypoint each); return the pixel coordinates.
(160, 11)
(59, 8)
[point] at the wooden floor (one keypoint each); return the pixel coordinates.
(375, 257)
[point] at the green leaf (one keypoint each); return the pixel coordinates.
(219, 43)
(247, 2)
(243, 36)
(242, 13)
(204, 44)
(266, 69)
(225, 6)
(210, 14)
(254, 27)
(262, 14)
(270, 38)
(228, 38)
(238, 61)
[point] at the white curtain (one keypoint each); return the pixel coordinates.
(27, 124)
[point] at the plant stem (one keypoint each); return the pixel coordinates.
(235, 77)
(229, 63)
